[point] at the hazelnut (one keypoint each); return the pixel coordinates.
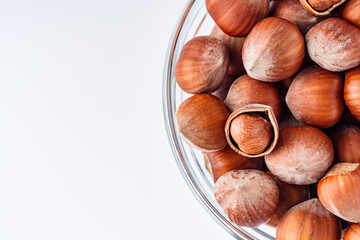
(293, 11)
(315, 97)
(290, 195)
(237, 17)
(302, 155)
(353, 233)
(234, 45)
(248, 197)
(339, 191)
(346, 141)
(246, 90)
(334, 44)
(274, 50)
(202, 65)
(309, 220)
(252, 130)
(226, 160)
(320, 7)
(352, 91)
(200, 120)
(350, 11)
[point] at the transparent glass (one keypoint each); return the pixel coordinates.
(195, 21)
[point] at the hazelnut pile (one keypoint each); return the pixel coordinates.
(276, 112)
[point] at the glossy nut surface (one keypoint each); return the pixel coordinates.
(346, 141)
(237, 17)
(246, 90)
(353, 233)
(339, 191)
(274, 50)
(352, 91)
(200, 120)
(309, 220)
(202, 65)
(315, 97)
(350, 11)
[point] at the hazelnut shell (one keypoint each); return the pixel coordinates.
(315, 97)
(309, 220)
(352, 91)
(263, 110)
(353, 233)
(326, 6)
(274, 50)
(302, 155)
(202, 65)
(350, 11)
(200, 120)
(346, 141)
(334, 44)
(339, 191)
(248, 197)
(246, 90)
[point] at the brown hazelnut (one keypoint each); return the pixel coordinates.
(350, 11)
(202, 65)
(334, 44)
(352, 91)
(302, 155)
(290, 195)
(293, 11)
(252, 130)
(346, 141)
(309, 220)
(234, 45)
(353, 233)
(315, 97)
(339, 191)
(246, 90)
(274, 50)
(321, 7)
(200, 120)
(226, 160)
(248, 197)
(237, 17)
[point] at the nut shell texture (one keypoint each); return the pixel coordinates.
(202, 65)
(339, 191)
(309, 220)
(226, 160)
(294, 12)
(350, 11)
(274, 50)
(352, 91)
(302, 155)
(248, 197)
(201, 121)
(353, 233)
(315, 97)
(334, 44)
(246, 90)
(237, 17)
(346, 142)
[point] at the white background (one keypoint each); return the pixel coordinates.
(83, 149)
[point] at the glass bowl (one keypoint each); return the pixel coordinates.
(195, 21)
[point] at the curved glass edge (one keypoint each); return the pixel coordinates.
(176, 143)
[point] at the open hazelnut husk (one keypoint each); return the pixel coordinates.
(320, 7)
(252, 130)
